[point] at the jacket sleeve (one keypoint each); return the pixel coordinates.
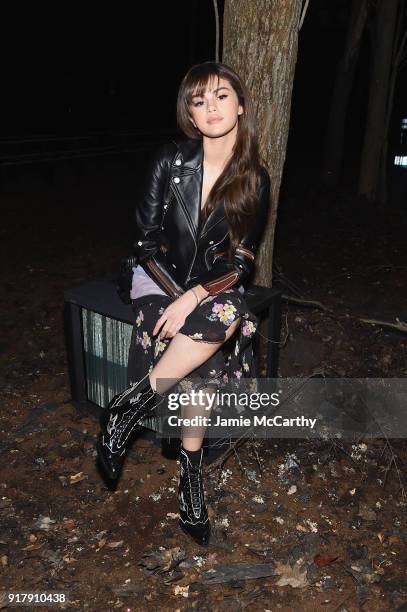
(148, 215)
(225, 273)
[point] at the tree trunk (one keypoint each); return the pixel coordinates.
(260, 40)
(385, 24)
(345, 73)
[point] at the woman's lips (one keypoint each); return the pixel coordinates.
(214, 119)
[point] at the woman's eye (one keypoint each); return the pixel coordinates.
(200, 102)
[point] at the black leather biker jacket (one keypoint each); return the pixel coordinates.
(172, 244)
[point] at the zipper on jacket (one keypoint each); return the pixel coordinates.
(213, 247)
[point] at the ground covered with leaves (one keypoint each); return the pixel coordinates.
(297, 524)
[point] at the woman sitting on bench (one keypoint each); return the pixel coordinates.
(199, 222)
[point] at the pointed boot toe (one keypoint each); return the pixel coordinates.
(111, 463)
(194, 520)
(200, 534)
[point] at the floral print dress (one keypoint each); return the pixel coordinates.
(207, 323)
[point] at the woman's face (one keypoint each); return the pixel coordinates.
(215, 113)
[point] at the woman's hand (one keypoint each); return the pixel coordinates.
(173, 317)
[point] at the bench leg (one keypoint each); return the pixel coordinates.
(76, 366)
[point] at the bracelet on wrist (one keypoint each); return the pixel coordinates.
(196, 296)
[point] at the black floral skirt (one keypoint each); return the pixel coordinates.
(207, 323)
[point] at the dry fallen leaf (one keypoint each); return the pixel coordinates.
(291, 576)
(102, 542)
(4, 560)
(68, 524)
(114, 544)
(44, 523)
(77, 477)
(70, 560)
(163, 560)
(322, 560)
(34, 546)
(181, 590)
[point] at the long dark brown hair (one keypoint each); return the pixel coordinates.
(237, 185)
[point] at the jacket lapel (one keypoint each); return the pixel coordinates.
(190, 186)
(215, 217)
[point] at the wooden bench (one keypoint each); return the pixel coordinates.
(98, 328)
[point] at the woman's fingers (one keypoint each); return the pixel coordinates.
(171, 328)
(168, 332)
(163, 323)
(169, 322)
(164, 317)
(159, 324)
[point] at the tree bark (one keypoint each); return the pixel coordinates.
(260, 41)
(334, 143)
(385, 24)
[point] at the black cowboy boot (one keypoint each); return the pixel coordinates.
(193, 513)
(119, 421)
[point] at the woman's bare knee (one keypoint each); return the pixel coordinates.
(232, 328)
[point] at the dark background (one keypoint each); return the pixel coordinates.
(110, 68)
(71, 71)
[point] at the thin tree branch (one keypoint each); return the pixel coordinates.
(303, 302)
(401, 327)
(216, 11)
(304, 10)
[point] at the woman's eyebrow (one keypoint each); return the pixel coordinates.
(214, 91)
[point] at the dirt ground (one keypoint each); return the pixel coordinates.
(325, 521)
